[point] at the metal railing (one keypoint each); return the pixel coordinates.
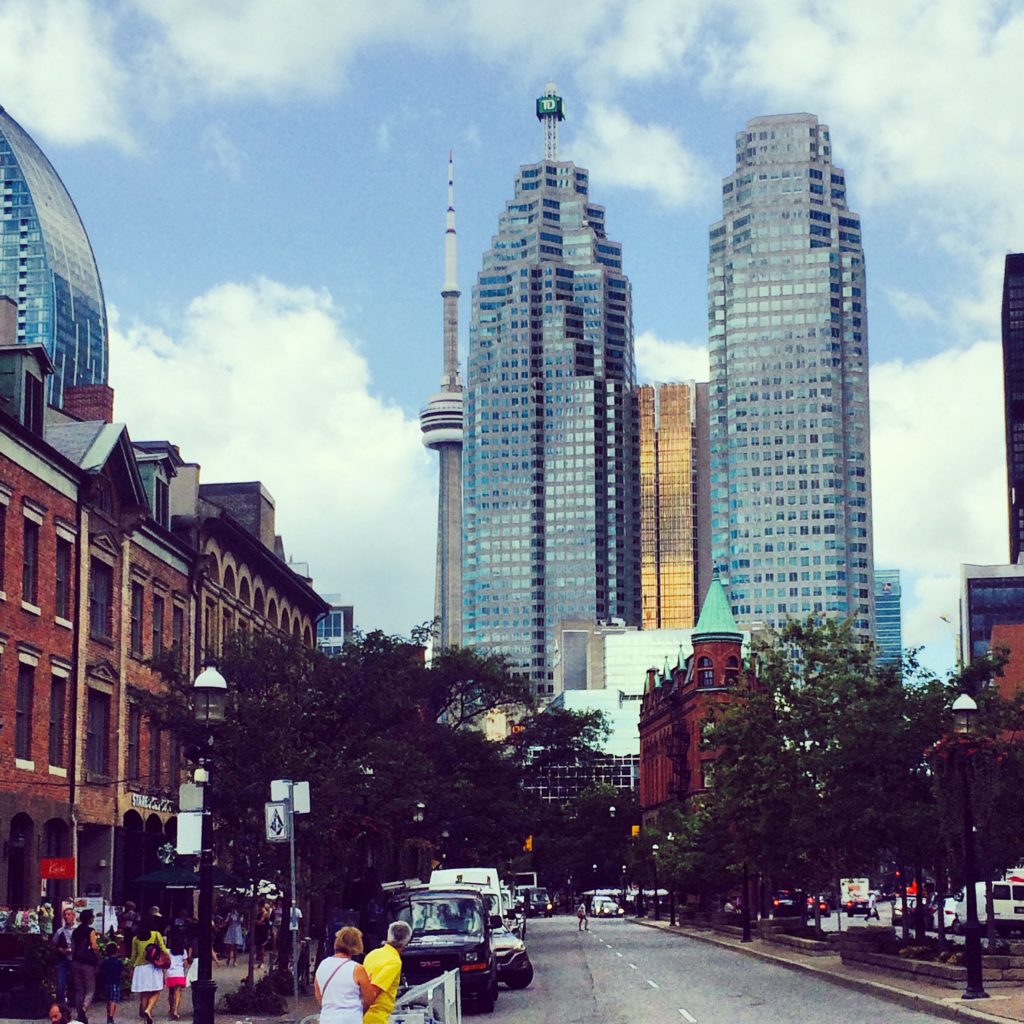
(438, 1000)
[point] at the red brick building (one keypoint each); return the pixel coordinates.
(97, 577)
(676, 762)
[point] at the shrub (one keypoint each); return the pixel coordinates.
(262, 998)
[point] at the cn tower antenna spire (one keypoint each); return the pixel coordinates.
(550, 110)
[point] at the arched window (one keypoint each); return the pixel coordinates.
(229, 581)
(257, 601)
(272, 612)
(732, 671)
(705, 673)
(244, 594)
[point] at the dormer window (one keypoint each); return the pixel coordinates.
(34, 404)
(162, 502)
(705, 673)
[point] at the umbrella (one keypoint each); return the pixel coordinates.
(186, 878)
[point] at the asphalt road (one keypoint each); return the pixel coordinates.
(622, 973)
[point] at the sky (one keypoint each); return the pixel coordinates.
(265, 183)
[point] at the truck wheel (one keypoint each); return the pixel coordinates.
(520, 980)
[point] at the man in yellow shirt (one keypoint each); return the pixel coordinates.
(384, 966)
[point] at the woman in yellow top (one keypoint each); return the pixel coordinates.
(147, 977)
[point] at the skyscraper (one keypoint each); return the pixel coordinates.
(47, 265)
(441, 424)
(1013, 395)
(668, 551)
(789, 431)
(550, 460)
(888, 616)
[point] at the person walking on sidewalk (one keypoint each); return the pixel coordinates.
(85, 958)
(582, 923)
(62, 940)
(384, 967)
(147, 976)
(110, 980)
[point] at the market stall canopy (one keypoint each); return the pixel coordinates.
(186, 878)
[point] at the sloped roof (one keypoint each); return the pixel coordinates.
(92, 444)
(716, 621)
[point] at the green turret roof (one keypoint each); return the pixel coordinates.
(716, 621)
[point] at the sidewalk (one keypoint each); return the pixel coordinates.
(1003, 1004)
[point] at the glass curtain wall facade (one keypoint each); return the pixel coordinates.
(550, 459)
(888, 616)
(1013, 395)
(667, 506)
(789, 431)
(47, 265)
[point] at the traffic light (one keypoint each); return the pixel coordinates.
(635, 831)
(528, 844)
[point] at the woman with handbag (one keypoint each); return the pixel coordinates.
(342, 987)
(85, 958)
(149, 959)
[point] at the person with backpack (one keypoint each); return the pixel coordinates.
(149, 958)
(85, 958)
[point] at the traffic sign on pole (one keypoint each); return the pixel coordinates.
(278, 822)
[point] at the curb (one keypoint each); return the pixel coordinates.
(909, 1000)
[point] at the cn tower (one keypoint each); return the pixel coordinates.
(441, 424)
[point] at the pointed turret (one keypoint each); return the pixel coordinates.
(716, 621)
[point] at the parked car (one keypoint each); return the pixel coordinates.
(605, 906)
(1007, 903)
(514, 967)
(789, 903)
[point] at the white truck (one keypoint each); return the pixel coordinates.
(1007, 903)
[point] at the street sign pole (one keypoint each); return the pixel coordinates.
(293, 920)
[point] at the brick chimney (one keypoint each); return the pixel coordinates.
(90, 402)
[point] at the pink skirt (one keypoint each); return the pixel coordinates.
(172, 981)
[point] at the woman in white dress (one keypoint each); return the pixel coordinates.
(342, 986)
(147, 977)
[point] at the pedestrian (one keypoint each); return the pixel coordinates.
(60, 1013)
(129, 922)
(148, 964)
(341, 986)
(62, 940)
(384, 967)
(582, 924)
(85, 958)
(261, 932)
(177, 946)
(110, 979)
(234, 939)
(872, 906)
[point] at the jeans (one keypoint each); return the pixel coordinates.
(63, 977)
(85, 986)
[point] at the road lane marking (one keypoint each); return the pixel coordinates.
(617, 953)
(653, 984)
(687, 1016)
(632, 967)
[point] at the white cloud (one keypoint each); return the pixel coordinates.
(658, 359)
(937, 462)
(648, 157)
(59, 74)
(911, 306)
(260, 381)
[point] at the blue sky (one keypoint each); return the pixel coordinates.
(264, 185)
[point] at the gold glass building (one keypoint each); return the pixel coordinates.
(668, 509)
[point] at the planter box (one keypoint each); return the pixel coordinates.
(803, 944)
(24, 1004)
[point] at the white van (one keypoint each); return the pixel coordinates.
(484, 879)
(1007, 903)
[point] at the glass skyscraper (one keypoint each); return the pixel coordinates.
(888, 616)
(550, 456)
(789, 432)
(1013, 395)
(47, 265)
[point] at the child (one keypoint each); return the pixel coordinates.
(110, 979)
(177, 946)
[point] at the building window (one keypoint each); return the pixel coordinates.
(97, 732)
(158, 625)
(23, 712)
(58, 703)
(161, 502)
(138, 596)
(705, 673)
(62, 579)
(30, 564)
(155, 753)
(178, 633)
(732, 671)
(134, 743)
(34, 404)
(3, 541)
(101, 592)
(211, 628)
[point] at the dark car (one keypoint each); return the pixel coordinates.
(824, 906)
(514, 967)
(538, 903)
(789, 903)
(451, 930)
(857, 905)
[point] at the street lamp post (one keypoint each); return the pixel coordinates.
(671, 890)
(657, 905)
(623, 890)
(209, 705)
(746, 904)
(964, 710)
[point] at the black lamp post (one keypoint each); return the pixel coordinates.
(657, 905)
(671, 889)
(210, 692)
(746, 904)
(623, 904)
(964, 710)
